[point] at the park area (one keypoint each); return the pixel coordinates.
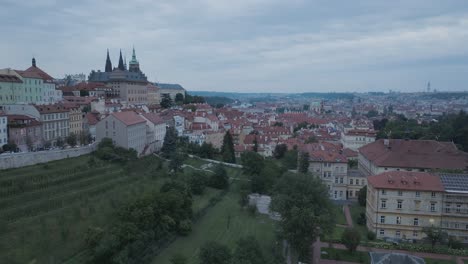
(46, 209)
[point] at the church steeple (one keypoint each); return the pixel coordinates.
(134, 65)
(34, 62)
(121, 64)
(108, 63)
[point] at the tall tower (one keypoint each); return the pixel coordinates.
(108, 63)
(34, 62)
(121, 64)
(429, 87)
(134, 65)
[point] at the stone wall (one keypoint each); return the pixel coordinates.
(16, 160)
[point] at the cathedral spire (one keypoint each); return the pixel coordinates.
(108, 63)
(125, 62)
(121, 65)
(133, 65)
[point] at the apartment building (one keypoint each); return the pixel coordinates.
(354, 139)
(332, 167)
(25, 132)
(55, 122)
(126, 129)
(400, 204)
(454, 217)
(155, 129)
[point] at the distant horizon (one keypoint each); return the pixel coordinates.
(249, 45)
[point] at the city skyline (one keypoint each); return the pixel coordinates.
(249, 46)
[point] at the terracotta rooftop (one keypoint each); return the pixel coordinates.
(406, 180)
(42, 74)
(153, 118)
(10, 78)
(427, 154)
(55, 108)
(128, 118)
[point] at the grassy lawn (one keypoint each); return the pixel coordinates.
(439, 261)
(336, 235)
(214, 226)
(339, 215)
(356, 210)
(345, 255)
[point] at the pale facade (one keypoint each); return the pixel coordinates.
(354, 139)
(334, 175)
(76, 121)
(400, 204)
(126, 129)
(55, 122)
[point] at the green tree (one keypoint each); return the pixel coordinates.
(305, 209)
(197, 183)
(264, 182)
(71, 139)
(372, 113)
(279, 151)
(248, 251)
(59, 142)
(252, 163)
(304, 163)
(214, 253)
(362, 196)
(434, 235)
(227, 149)
(255, 146)
(178, 259)
(290, 159)
(166, 101)
(219, 179)
(352, 164)
(207, 151)
(179, 98)
(311, 139)
(176, 162)
(170, 142)
(351, 238)
(29, 143)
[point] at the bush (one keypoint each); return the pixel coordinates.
(362, 219)
(219, 179)
(252, 209)
(185, 227)
(454, 243)
(371, 235)
(351, 238)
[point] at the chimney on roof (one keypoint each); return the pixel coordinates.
(390, 179)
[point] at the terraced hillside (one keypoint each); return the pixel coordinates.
(45, 209)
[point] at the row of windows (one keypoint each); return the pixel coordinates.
(416, 194)
(398, 220)
(363, 182)
(397, 233)
(55, 116)
(383, 205)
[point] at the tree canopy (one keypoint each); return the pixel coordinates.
(305, 208)
(227, 149)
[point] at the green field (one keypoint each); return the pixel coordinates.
(214, 226)
(45, 209)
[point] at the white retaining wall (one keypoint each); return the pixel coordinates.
(16, 160)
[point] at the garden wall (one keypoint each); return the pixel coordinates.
(16, 160)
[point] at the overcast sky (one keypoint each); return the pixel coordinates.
(248, 45)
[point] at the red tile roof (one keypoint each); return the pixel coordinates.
(428, 154)
(10, 78)
(42, 74)
(153, 118)
(406, 180)
(128, 118)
